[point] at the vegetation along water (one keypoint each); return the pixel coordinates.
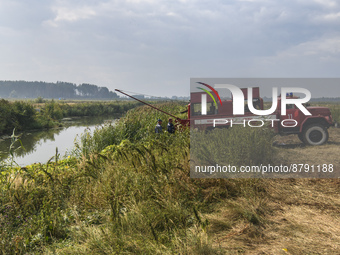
(40, 113)
(127, 190)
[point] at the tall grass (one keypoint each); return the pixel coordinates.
(335, 111)
(128, 192)
(137, 125)
(91, 142)
(235, 146)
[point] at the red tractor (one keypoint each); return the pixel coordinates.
(311, 129)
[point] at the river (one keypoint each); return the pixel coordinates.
(40, 146)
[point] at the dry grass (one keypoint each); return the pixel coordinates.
(292, 150)
(296, 216)
(300, 216)
(306, 216)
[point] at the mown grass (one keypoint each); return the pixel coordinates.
(125, 190)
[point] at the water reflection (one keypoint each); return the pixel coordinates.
(29, 140)
(40, 146)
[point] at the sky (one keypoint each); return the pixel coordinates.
(154, 47)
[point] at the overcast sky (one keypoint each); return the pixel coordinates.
(155, 47)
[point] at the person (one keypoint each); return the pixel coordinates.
(171, 127)
(158, 128)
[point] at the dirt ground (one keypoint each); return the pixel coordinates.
(292, 150)
(299, 216)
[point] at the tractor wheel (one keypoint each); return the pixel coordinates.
(315, 134)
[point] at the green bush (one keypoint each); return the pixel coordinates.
(53, 110)
(19, 115)
(39, 100)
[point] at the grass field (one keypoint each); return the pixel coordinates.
(127, 190)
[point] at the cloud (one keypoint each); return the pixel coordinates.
(329, 46)
(315, 58)
(159, 45)
(73, 15)
(327, 3)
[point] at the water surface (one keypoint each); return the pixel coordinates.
(40, 146)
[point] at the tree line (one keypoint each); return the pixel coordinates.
(34, 89)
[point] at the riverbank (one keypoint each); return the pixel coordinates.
(36, 115)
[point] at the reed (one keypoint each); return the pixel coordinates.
(126, 190)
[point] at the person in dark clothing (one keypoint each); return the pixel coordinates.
(171, 127)
(158, 128)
